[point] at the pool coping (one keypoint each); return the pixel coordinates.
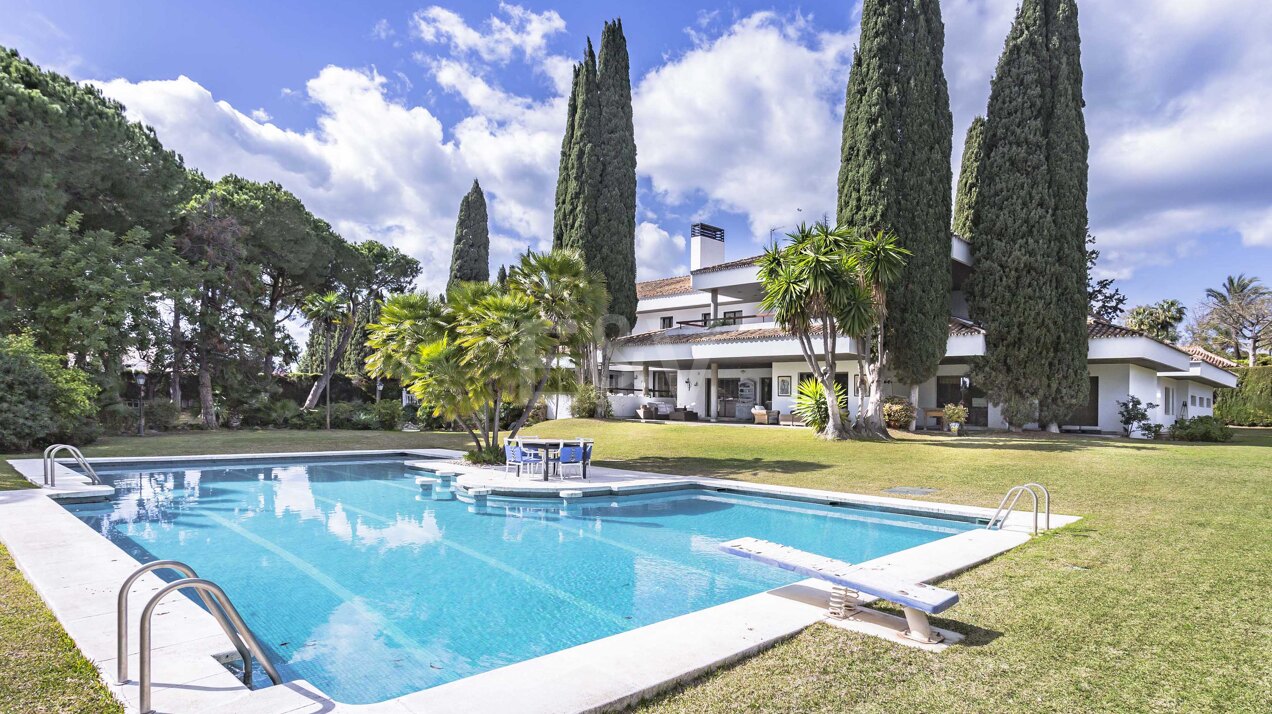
(79, 584)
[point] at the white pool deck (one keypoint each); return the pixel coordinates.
(77, 573)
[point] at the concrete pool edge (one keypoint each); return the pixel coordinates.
(79, 585)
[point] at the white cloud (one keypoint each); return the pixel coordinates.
(374, 168)
(1177, 99)
(382, 30)
(750, 122)
(518, 29)
(658, 253)
(747, 120)
(260, 115)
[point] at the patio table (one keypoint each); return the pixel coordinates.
(551, 449)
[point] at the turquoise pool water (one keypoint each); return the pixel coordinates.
(357, 583)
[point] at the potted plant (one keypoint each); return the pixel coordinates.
(955, 417)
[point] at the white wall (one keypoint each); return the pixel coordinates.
(651, 321)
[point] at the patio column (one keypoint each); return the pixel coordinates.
(715, 305)
(713, 404)
(645, 381)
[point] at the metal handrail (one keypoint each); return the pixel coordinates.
(50, 464)
(225, 610)
(121, 614)
(1005, 509)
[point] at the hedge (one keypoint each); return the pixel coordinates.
(1250, 402)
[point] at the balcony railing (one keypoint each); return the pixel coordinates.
(637, 390)
(726, 321)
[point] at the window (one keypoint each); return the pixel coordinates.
(665, 322)
(1209, 402)
(1168, 401)
(1192, 400)
(732, 317)
(706, 318)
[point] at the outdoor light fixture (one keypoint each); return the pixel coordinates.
(141, 403)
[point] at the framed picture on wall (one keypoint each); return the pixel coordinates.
(783, 386)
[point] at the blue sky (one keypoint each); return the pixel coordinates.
(379, 115)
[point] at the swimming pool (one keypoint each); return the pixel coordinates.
(356, 582)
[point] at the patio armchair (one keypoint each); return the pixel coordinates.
(572, 456)
(518, 458)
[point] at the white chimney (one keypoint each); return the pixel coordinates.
(706, 246)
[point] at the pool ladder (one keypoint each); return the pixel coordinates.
(50, 464)
(1013, 495)
(214, 600)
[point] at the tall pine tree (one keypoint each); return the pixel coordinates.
(617, 209)
(562, 216)
(969, 178)
(1029, 284)
(895, 170)
(470, 258)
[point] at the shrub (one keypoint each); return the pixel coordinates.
(388, 414)
(282, 412)
(1151, 429)
(587, 398)
(955, 413)
(811, 406)
(40, 397)
(1250, 402)
(162, 415)
(898, 412)
(485, 457)
(308, 419)
(1133, 414)
(1202, 428)
(427, 420)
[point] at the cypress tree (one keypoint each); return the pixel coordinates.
(1029, 284)
(895, 170)
(969, 178)
(616, 212)
(562, 216)
(1067, 152)
(470, 258)
(501, 278)
(580, 226)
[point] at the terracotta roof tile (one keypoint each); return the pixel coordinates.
(1210, 357)
(1099, 329)
(664, 287)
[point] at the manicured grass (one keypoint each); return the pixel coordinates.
(1156, 601)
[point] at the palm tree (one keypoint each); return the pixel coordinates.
(877, 260)
(405, 322)
(1243, 307)
(324, 312)
(823, 283)
(569, 297)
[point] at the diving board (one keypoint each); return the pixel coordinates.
(917, 600)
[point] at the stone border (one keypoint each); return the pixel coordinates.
(78, 576)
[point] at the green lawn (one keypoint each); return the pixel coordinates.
(1157, 601)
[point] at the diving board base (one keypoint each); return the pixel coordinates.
(891, 627)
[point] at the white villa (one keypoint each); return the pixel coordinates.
(702, 347)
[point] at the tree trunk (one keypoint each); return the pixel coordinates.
(206, 407)
(1253, 351)
(346, 334)
(178, 352)
(914, 402)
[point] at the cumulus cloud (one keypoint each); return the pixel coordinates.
(659, 253)
(515, 29)
(1177, 99)
(745, 120)
(748, 122)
